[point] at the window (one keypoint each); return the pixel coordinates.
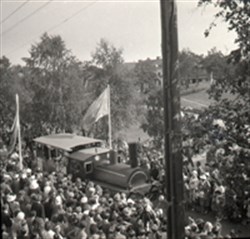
(88, 167)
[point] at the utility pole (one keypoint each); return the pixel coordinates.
(172, 130)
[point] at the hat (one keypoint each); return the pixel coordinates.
(78, 209)
(194, 172)
(11, 197)
(220, 189)
(110, 200)
(23, 175)
(220, 123)
(92, 189)
(84, 199)
(34, 184)
(161, 198)
(7, 176)
(117, 197)
(71, 194)
(20, 216)
(208, 226)
(47, 189)
(159, 212)
(203, 176)
(58, 200)
(28, 171)
(126, 211)
(154, 227)
(130, 201)
(14, 156)
(64, 179)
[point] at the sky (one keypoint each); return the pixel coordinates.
(133, 25)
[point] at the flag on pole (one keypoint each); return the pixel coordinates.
(16, 134)
(98, 109)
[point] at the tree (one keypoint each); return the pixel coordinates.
(150, 92)
(225, 124)
(153, 124)
(106, 68)
(54, 77)
(145, 76)
(219, 70)
(236, 13)
(7, 98)
(188, 61)
(236, 74)
(5, 89)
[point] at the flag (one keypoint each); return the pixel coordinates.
(98, 109)
(14, 133)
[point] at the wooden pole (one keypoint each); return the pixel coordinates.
(19, 133)
(109, 118)
(172, 144)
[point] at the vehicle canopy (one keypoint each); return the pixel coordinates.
(68, 142)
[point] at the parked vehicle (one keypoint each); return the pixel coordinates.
(86, 158)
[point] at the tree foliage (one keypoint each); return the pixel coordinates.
(226, 124)
(6, 93)
(188, 63)
(106, 68)
(236, 74)
(148, 85)
(54, 79)
(145, 76)
(236, 13)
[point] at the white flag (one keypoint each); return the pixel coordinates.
(98, 109)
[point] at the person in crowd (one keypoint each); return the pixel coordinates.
(49, 205)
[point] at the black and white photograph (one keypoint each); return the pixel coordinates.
(125, 119)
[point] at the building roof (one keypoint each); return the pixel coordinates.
(85, 154)
(66, 142)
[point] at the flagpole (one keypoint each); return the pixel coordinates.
(19, 133)
(109, 116)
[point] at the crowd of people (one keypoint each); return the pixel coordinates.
(42, 205)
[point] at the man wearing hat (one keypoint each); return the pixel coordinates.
(118, 233)
(105, 224)
(20, 227)
(34, 187)
(37, 206)
(6, 219)
(193, 186)
(15, 184)
(36, 225)
(12, 204)
(131, 233)
(204, 193)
